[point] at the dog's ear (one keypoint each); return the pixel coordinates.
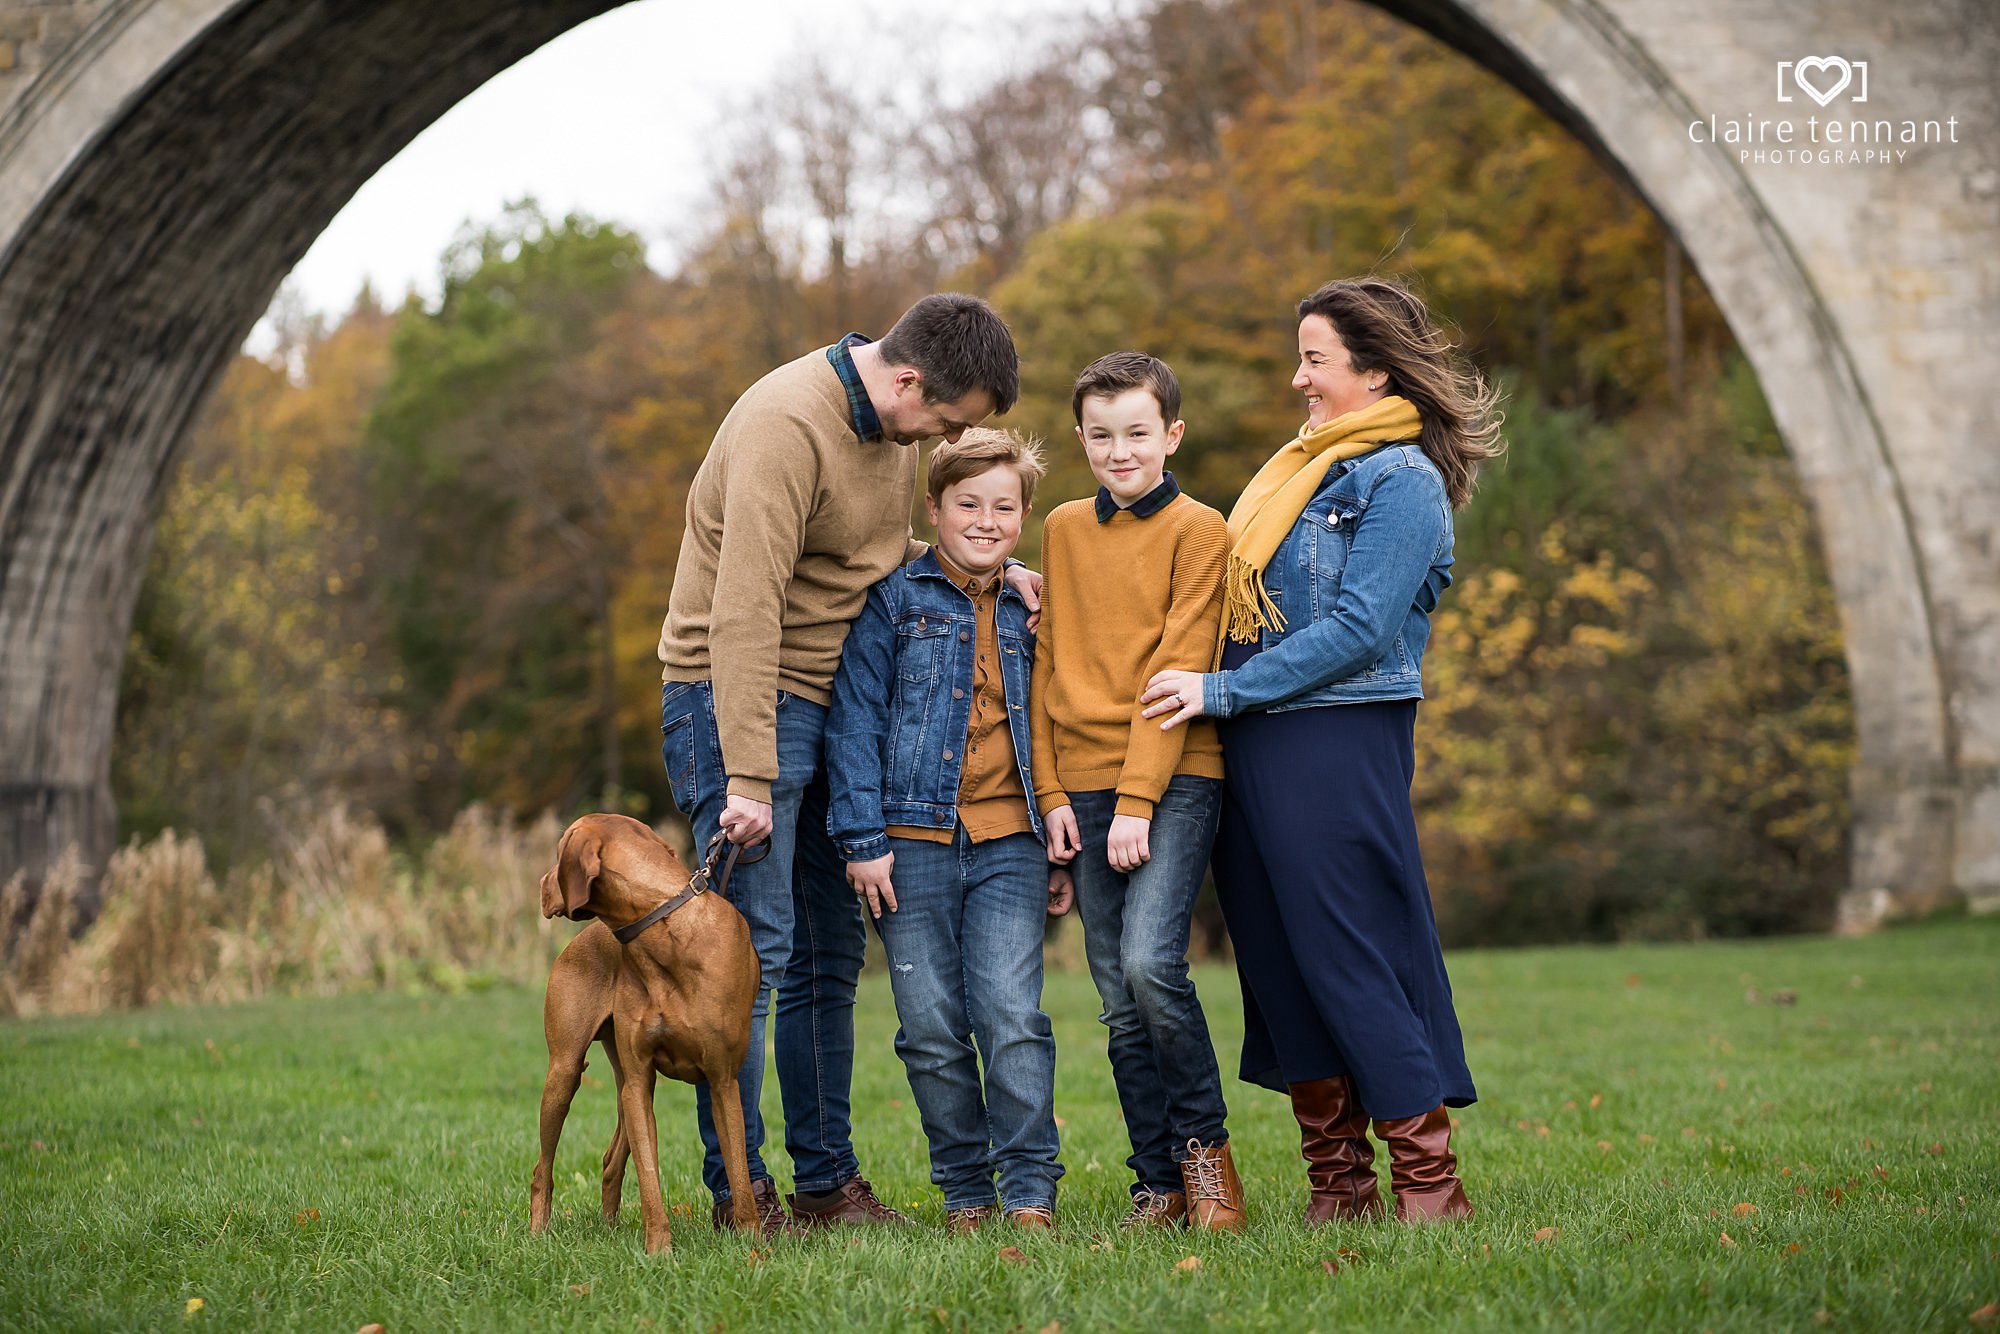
(577, 869)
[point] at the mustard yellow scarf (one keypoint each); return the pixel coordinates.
(1279, 494)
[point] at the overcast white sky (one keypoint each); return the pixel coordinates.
(611, 118)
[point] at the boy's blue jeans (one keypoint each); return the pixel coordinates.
(806, 926)
(965, 963)
(1135, 934)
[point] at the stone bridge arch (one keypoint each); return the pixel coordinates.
(164, 163)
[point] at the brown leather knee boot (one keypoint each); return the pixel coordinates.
(1333, 1138)
(1422, 1170)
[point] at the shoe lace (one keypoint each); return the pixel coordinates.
(862, 1193)
(1205, 1180)
(1149, 1203)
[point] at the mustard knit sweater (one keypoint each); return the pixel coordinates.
(1121, 600)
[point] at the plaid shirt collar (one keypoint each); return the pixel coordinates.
(1146, 506)
(860, 410)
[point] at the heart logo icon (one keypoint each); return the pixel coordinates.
(1822, 65)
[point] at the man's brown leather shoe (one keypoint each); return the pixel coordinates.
(1155, 1208)
(1340, 1163)
(1214, 1191)
(852, 1201)
(1032, 1218)
(964, 1222)
(1422, 1169)
(770, 1210)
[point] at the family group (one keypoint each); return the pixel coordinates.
(935, 738)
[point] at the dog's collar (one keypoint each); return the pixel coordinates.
(698, 883)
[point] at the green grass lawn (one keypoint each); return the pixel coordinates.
(1832, 1106)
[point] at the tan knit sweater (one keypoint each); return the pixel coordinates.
(790, 520)
(1122, 600)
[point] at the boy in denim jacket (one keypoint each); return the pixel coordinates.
(1132, 586)
(927, 755)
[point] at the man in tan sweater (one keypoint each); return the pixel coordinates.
(801, 505)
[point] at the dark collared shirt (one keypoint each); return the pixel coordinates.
(1146, 506)
(860, 409)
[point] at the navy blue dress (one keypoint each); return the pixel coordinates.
(1322, 885)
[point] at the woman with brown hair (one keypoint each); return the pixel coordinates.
(1339, 549)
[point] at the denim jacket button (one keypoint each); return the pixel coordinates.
(940, 817)
(956, 693)
(947, 754)
(964, 635)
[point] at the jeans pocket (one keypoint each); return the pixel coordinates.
(680, 742)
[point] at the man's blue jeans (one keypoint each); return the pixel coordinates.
(965, 963)
(806, 926)
(1135, 934)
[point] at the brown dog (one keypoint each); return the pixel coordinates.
(675, 1000)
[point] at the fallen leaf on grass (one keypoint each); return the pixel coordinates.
(194, 1304)
(1604, 1146)
(1647, 1139)
(1834, 1195)
(1985, 1315)
(755, 1257)
(1935, 1150)
(580, 1289)
(897, 1103)
(1743, 1210)
(1189, 1265)
(1726, 1240)
(1547, 1233)
(1013, 1255)
(370, 1329)
(1881, 1172)
(1330, 1266)
(1794, 1248)
(1053, 1327)
(1596, 1101)
(306, 1216)
(38, 1146)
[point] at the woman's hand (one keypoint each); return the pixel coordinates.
(1062, 891)
(871, 882)
(1170, 691)
(1065, 840)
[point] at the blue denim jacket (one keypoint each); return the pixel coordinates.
(1357, 579)
(902, 705)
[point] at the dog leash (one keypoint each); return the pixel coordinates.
(701, 882)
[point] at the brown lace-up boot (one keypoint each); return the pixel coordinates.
(1422, 1170)
(1214, 1191)
(852, 1201)
(1333, 1138)
(1155, 1208)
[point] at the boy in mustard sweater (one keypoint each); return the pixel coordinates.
(1132, 586)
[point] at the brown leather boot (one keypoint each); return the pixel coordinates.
(1214, 1191)
(1422, 1170)
(1340, 1164)
(852, 1201)
(770, 1210)
(1155, 1208)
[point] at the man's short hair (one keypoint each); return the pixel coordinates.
(983, 448)
(1115, 372)
(958, 344)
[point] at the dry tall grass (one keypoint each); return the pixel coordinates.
(334, 910)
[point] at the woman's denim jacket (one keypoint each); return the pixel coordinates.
(1356, 580)
(902, 704)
